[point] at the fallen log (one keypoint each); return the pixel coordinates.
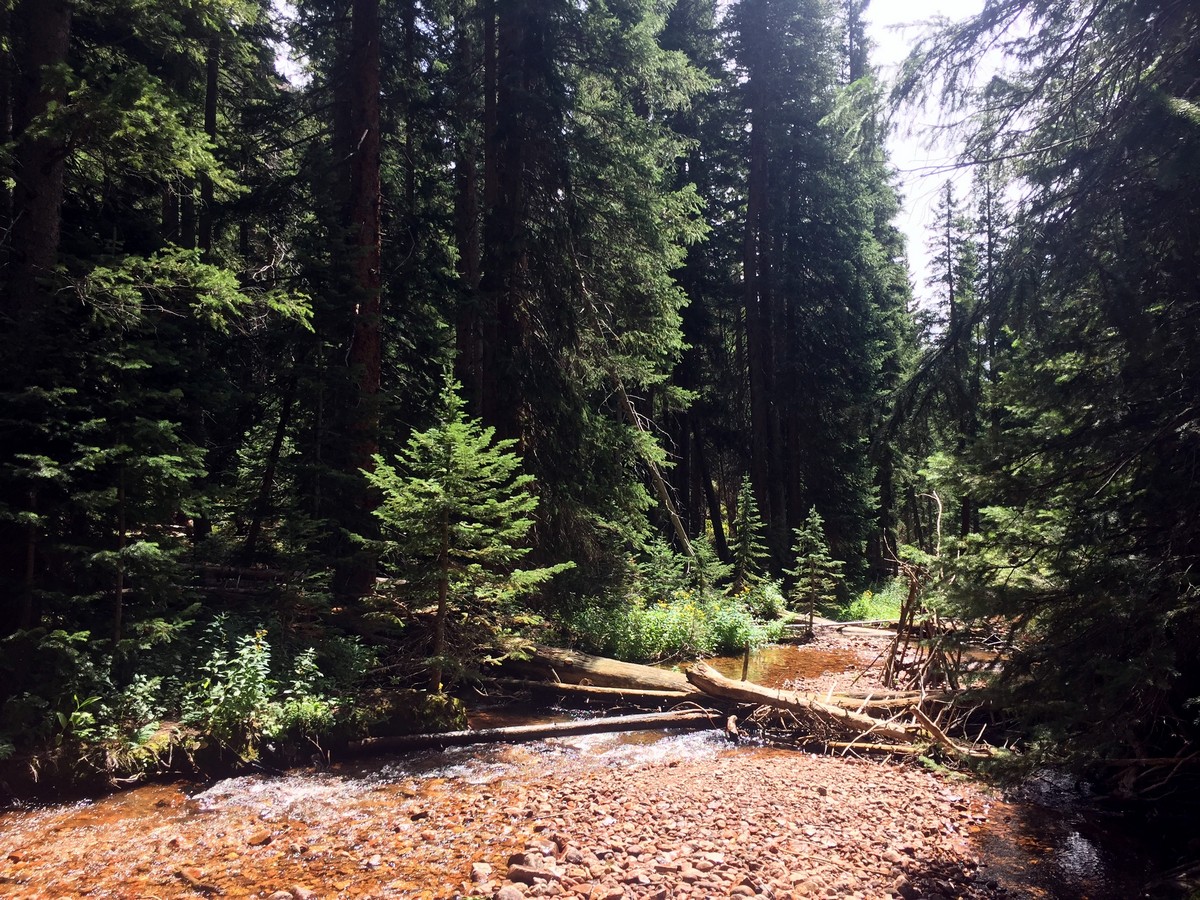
(572, 667)
(886, 694)
(696, 719)
(712, 682)
(589, 692)
(863, 631)
(830, 623)
(938, 735)
(881, 700)
(874, 748)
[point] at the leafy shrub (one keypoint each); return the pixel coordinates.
(675, 609)
(239, 704)
(765, 599)
(882, 604)
(685, 626)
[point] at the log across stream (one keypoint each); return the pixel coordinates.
(700, 697)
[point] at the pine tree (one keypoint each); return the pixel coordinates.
(456, 512)
(1092, 529)
(749, 550)
(816, 573)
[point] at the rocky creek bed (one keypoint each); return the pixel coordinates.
(607, 816)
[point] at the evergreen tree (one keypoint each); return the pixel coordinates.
(1091, 531)
(456, 513)
(816, 573)
(750, 552)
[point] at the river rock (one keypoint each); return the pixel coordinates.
(527, 874)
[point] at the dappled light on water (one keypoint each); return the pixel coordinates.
(782, 665)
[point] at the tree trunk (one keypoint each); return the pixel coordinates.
(842, 721)
(573, 667)
(710, 495)
(588, 695)
(504, 269)
(6, 123)
(660, 485)
(443, 603)
(41, 33)
(262, 504)
(757, 342)
(212, 73)
(363, 227)
(118, 621)
(38, 33)
(468, 357)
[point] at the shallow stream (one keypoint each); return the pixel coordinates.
(414, 826)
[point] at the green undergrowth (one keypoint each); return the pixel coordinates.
(882, 603)
(226, 695)
(682, 626)
(678, 608)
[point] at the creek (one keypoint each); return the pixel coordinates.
(416, 826)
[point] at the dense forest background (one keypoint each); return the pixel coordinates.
(297, 376)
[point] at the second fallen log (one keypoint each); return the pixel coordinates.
(844, 721)
(695, 719)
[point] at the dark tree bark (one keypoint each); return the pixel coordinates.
(6, 126)
(720, 543)
(211, 88)
(765, 428)
(468, 357)
(41, 30)
(506, 160)
(262, 505)
(363, 228)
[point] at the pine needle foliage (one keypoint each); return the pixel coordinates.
(456, 512)
(750, 553)
(817, 573)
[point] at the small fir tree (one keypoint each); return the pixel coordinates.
(455, 513)
(817, 573)
(749, 549)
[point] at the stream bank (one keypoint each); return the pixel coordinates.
(607, 816)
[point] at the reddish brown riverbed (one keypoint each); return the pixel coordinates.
(598, 817)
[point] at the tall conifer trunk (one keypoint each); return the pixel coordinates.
(758, 314)
(6, 131)
(42, 32)
(362, 225)
(468, 356)
(506, 262)
(211, 86)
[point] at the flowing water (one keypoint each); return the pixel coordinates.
(375, 829)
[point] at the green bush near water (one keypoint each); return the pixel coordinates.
(253, 693)
(883, 603)
(684, 625)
